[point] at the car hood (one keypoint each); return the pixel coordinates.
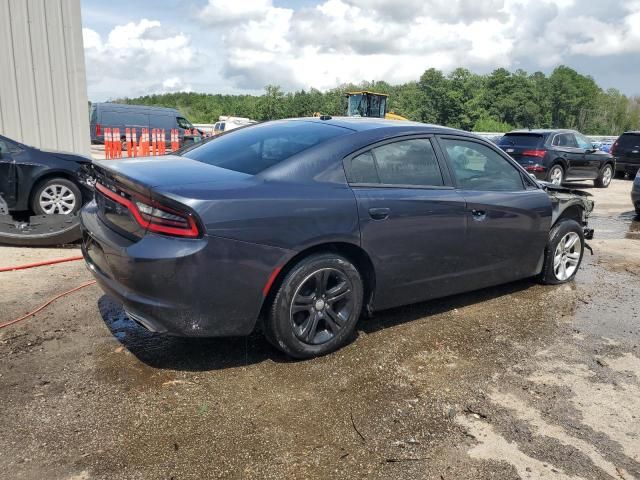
(68, 156)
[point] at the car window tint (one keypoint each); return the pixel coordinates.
(183, 123)
(409, 162)
(582, 141)
(256, 148)
(3, 147)
(565, 140)
(629, 140)
(478, 167)
(363, 169)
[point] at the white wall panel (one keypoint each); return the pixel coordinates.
(43, 93)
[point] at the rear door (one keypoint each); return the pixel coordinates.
(566, 146)
(412, 221)
(508, 217)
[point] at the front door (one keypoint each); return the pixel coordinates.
(7, 174)
(508, 217)
(412, 221)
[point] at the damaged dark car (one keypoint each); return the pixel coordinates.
(305, 224)
(41, 193)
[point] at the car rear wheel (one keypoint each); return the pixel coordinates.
(563, 254)
(556, 175)
(316, 307)
(604, 179)
(56, 196)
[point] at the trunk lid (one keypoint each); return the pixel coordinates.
(142, 179)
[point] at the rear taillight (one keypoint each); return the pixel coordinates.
(153, 215)
(613, 148)
(534, 153)
(98, 129)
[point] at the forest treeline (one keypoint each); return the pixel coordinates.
(495, 102)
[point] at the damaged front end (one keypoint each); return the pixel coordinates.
(44, 230)
(570, 203)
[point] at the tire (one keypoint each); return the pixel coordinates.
(56, 196)
(320, 325)
(604, 179)
(554, 256)
(556, 174)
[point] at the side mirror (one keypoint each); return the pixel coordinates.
(590, 150)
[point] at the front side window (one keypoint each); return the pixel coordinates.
(583, 142)
(408, 162)
(184, 123)
(254, 149)
(478, 167)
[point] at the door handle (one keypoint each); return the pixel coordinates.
(478, 215)
(379, 213)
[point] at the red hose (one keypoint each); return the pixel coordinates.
(41, 307)
(40, 264)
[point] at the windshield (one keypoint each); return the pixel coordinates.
(522, 140)
(361, 105)
(256, 148)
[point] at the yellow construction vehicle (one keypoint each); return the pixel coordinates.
(364, 103)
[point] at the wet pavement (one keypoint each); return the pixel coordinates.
(518, 381)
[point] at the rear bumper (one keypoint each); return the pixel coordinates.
(627, 167)
(186, 287)
(635, 193)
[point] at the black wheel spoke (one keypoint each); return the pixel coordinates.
(322, 279)
(333, 320)
(310, 327)
(302, 303)
(338, 292)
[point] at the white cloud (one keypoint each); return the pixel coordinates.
(247, 44)
(224, 12)
(137, 58)
(351, 40)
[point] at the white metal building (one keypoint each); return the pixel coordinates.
(43, 92)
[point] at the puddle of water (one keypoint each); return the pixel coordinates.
(625, 225)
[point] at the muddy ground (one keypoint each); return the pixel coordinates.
(519, 381)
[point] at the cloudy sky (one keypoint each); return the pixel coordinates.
(239, 46)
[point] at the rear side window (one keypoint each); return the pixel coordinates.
(408, 162)
(565, 140)
(527, 140)
(478, 167)
(254, 149)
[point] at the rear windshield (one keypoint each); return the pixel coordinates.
(521, 140)
(629, 139)
(254, 149)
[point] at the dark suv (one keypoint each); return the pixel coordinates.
(559, 156)
(626, 150)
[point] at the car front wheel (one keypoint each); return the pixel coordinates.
(316, 307)
(604, 179)
(563, 253)
(56, 196)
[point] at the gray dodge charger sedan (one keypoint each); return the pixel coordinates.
(307, 223)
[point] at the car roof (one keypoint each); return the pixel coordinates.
(361, 124)
(542, 131)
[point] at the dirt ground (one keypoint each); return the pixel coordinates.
(519, 381)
